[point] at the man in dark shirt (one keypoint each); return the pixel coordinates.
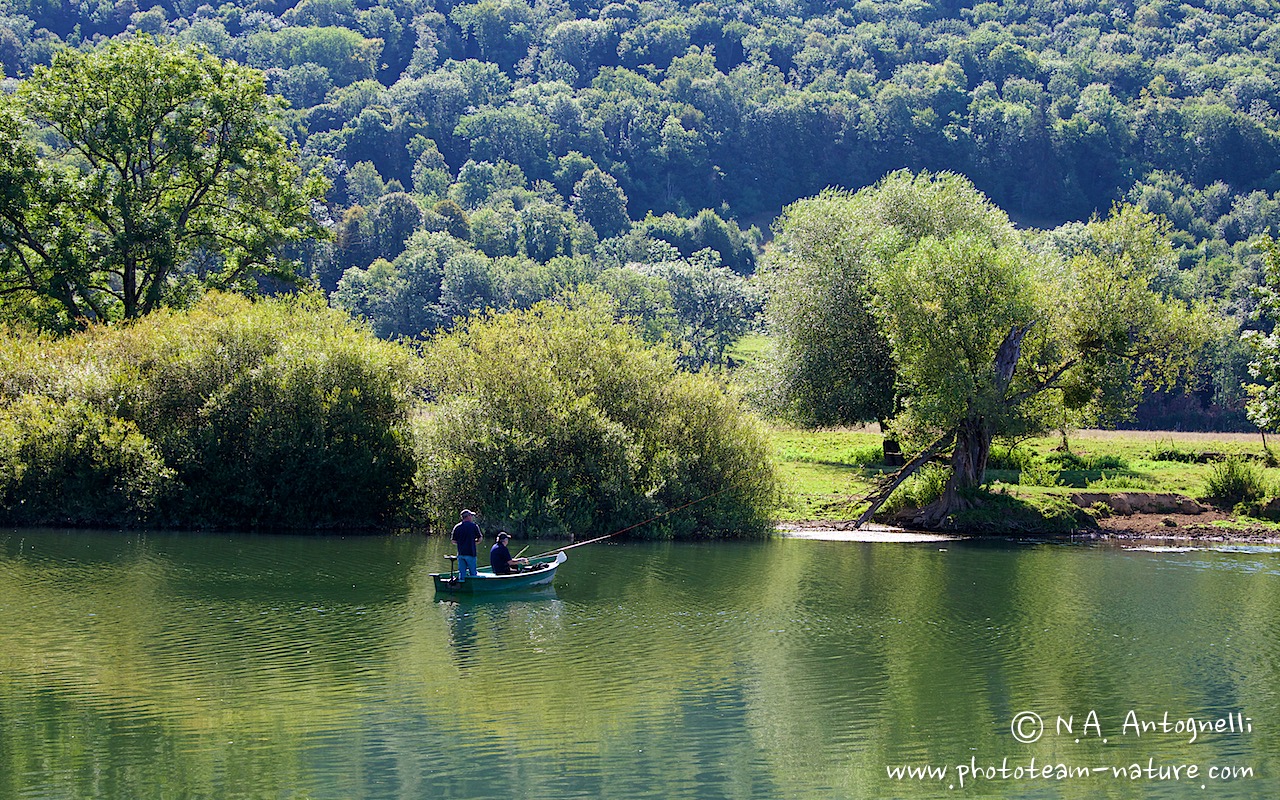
(500, 559)
(466, 535)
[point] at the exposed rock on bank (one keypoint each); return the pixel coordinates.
(1126, 503)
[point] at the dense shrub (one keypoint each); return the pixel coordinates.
(919, 490)
(1040, 473)
(1235, 480)
(558, 420)
(1172, 452)
(262, 414)
(70, 464)
(866, 456)
(1123, 482)
(1013, 459)
(1031, 468)
(1074, 461)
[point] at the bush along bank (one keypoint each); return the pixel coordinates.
(558, 420)
(232, 414)
(286, 414)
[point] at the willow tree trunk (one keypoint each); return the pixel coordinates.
(968, 471)
(973, 438)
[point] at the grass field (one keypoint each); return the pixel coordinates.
(825, 474)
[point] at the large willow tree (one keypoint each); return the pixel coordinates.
(917, 302)
(128, 167)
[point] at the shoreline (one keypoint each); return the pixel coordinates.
(1138, 527)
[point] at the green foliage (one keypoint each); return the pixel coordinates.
(1055, 110)
(1002, 515)
(278, 416)
(706, 230)
(918, 491)
(984, 337)
(1235, 480)
(833, 365)
(1011, 458)
(364, 184)
(1264, 348)
(867, 456)
(697, 305)
(156, 158)
(1040, 473)
(1075, 461)
(1123, 482)
(558, 420)
(1172, 452)
(344, 54)
(1032, 469)
(599, 201)
(67, 463)
(947, 307)
(231, 414)
(455, 219)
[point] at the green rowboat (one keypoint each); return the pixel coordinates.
(539, 572)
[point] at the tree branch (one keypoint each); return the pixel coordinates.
(882, 493)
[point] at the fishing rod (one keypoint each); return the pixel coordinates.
(631, 527)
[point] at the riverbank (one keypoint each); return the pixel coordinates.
(1213, 527)
(1133, 485)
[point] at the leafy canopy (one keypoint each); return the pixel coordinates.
(1264, 348)
(969, 327)
(145, 167)
(232, 413)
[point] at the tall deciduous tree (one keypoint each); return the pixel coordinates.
(984, 336)
(1264, 348)
(833, 365)
(152, 158)
(599, 200)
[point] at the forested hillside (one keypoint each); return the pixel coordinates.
(493, 153)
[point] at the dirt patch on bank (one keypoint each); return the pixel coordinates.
(1128, 516)
(1148, 515)
(1187, 527)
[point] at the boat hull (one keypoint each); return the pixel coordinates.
(539, 573)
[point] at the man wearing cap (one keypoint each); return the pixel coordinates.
(466, 535)
(500, 559)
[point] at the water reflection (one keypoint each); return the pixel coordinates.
(140, 666)
(523, 612)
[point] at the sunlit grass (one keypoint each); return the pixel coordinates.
(748, 350)
(826, 474)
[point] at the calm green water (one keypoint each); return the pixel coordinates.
(164, 666)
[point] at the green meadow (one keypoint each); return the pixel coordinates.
(826, 474)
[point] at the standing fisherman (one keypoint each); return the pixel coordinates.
(466, 535)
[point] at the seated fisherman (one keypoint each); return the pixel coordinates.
(500, 557)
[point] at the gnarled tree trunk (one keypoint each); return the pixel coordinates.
(968, 470)
(973, 439)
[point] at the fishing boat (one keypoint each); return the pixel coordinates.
(540, 569)
(538, 572)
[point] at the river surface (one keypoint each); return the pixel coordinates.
(139, 666)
